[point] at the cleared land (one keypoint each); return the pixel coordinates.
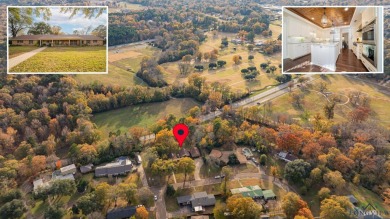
(14, 51)
(144, 115)
(338, 84)
(124, 62)
(65, 59)
(230, 73)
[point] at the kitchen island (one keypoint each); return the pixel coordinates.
(325, 54)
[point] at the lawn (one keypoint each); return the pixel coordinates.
(124, 62)
(144, 115)
(14, 51)
(116, 77)
(66, 59)
(339, 84)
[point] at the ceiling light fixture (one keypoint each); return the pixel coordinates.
(346, 9)
(312, 18)
(324, 19)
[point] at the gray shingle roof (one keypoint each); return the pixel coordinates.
(56, 37)
(120, 213)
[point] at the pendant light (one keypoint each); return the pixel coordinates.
(324, 19)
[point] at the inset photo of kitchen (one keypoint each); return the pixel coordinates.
(326, 40)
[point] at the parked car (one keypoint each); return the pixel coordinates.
(217, 177)
(155, 197)
(138, 206)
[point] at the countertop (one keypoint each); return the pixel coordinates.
(326, 44)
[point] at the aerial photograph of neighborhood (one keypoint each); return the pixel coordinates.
(195, 118)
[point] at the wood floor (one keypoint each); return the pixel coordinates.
(346, 62)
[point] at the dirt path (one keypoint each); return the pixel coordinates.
(18, 59)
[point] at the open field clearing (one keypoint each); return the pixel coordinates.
(65, 59)
(338, 84)
(123, 65)
(144, 115)
(19, 50)
(231, 72)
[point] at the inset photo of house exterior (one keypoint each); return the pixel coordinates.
(333, 39)
(57, 40)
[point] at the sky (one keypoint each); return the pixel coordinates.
(77, 22)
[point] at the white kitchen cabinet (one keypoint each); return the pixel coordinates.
(368, 65)
(368, 15)
(297, 50)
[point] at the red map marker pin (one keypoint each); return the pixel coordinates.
(180, 131)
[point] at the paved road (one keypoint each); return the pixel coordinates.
(18, 59)
(259, 98)
(161, 210)
(131, 44)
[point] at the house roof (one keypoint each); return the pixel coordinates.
(195, 152)
(63, 177)
(248, 191)
(268, 194)
(56, 37)
(352, 199)
(121, 165)
(86, 168)
(197, 199)
(184, 152)
(119, 213)
(184, 199)
(202, 199)
(67, 168)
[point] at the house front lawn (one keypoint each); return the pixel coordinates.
(65, 59)
(14, 51)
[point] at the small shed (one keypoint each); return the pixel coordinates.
(352, 199)
(269, 194)
(195, 152)
(70, 169)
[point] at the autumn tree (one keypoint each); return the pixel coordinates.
(274, 172)
(359, 114)
(236, 59)
(141, 213)
(334, 179)
(288, 141)
(215, 100)
(323, 193)
(296, 171)
(186, 165)
(360, 153)
(335, 207)
(293, 205)
(329, 109)
(311, 150)
(242, 207)
(101, 191)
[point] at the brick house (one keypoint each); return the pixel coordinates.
(57, 40)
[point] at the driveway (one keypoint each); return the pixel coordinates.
(198, 165)
(18, 59)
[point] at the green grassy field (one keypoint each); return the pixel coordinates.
(339, 84)
(144, 115)
(19, 50)
(122, 67)
(65, 59)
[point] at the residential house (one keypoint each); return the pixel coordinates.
(57, 40)
(254, 192)
(198, 200)
(87, 168)
(121, 166)
(184, 153)
(70, 169)
(286, 156)
(121, 213)
(195, 152)
(39, 183)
